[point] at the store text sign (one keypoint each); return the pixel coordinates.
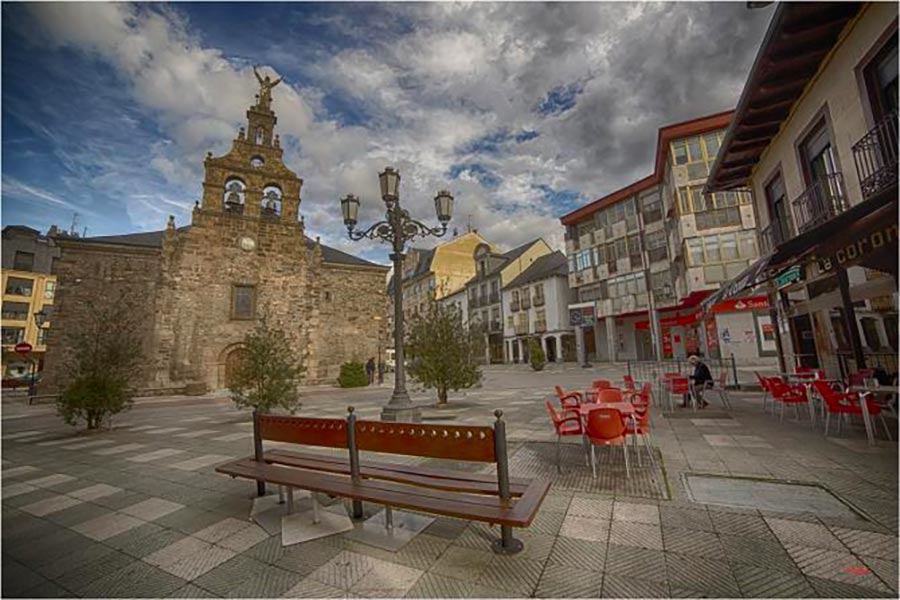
(741, 304)
(876, 241)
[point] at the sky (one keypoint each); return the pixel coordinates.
(524, 111)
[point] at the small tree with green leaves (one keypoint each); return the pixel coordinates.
(353, 374)
(106, 354)
(442, 351)
(268, 373)
(536, 355)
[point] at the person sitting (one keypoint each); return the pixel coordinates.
(700, 378)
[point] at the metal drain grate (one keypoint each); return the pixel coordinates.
(769, 494)
(538, 459)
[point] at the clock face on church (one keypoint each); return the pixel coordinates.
(247, 243)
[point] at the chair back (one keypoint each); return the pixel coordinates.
(810, 372)
(605, 424)
(647, 392)
(609, 395)
(601, 384)
(859, 378)
(679, 385)
(559, 392)
(828, 394)
(629, 383)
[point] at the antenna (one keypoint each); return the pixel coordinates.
(73, 230)
(469, 223)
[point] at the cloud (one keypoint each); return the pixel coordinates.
(522, 110)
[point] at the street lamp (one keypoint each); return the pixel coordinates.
(39, 319)
(397, 229)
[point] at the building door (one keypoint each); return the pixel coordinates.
(804, 341)
(881, 81)
(644, 344)
(590, 344)
(778, 211)
(232, 362)
(551, 349)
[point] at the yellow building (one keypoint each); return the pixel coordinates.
(24, 294)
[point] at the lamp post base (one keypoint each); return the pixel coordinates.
(404, 414)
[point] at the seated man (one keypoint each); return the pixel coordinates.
(700, 378)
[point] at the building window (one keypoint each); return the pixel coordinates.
(49, 290)
(722, 248)
(23, 261)
(19, 286)
(583, 260)
(656, 245)
(539, 292)
(509, 322)
(42, 336)
(15, 311)
(870, 333)
(243, 302)
(625, 285)
(12, 335)
(880, 76)
(651, 206)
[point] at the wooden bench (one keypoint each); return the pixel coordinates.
(498, 499)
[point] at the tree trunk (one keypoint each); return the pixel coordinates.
(442, 395)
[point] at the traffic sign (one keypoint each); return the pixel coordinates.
(23, 348)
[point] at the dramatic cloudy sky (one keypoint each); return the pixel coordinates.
(523, 111)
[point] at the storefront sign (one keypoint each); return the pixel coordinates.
(790, 276)
(741, 304)
(851, 253)
(670, 321)
(583, 316)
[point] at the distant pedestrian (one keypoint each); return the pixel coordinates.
(370, 370)
(700, 378)
(380, 372)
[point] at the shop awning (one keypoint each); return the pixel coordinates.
(866, 235)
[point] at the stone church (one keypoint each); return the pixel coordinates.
(200, 288)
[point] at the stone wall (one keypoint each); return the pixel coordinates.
(346, 328)
(88, 274)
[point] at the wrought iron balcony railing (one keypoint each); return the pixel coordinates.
(514, 305)
(875, 155)
(495, 326)
(540, 326)
(820, 202)
(521, 328)
(773, 235)
(494, 297)
(526, 302)
(538, 301)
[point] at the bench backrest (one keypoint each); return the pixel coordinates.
(331, 433)
(453, 442)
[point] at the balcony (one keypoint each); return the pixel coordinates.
(822, 201)
(513, 305)
(495, 326)
(482, 301)
(539, 301)
(494, 297)
(876, 157)
(521, 328)
(773, 235)
(540, 326)
(526, 303)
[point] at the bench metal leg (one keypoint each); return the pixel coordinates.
(389, 529)
(507, 544)
(357, 509)
(290, 500)
(280, 494)
(312, 524)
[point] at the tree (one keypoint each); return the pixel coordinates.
(536, 354)
(269, 372)
(442, 351)
(106, 353)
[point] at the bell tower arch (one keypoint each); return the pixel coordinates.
(241, 183)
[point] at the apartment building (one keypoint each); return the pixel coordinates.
(484, 302)
(536, 306)
(642, 259)
(430, 274)
(814, 138)
(29, 288)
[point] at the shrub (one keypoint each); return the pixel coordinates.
(353, 374)
(269, 371)
(536, 354)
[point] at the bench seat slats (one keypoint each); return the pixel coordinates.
(472, 507)
(434, 478)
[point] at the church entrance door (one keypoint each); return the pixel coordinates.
(232, 362)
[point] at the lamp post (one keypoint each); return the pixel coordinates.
(397, 229)
(40, 318)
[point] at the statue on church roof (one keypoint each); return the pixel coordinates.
(265, 89)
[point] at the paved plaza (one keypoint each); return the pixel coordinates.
(137, 510)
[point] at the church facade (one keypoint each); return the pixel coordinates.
(199, 289)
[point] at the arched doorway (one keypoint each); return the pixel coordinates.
(232, 361)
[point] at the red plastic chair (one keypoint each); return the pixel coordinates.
(681, 385)
(605, 427)
(788, 394)
(846, 404)
(601, 384)
(609, 395)
(810, 372)
(639, 425)
(764, 384)
(568, 424)
(859, 378)
(570, 399)
(629, 383)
